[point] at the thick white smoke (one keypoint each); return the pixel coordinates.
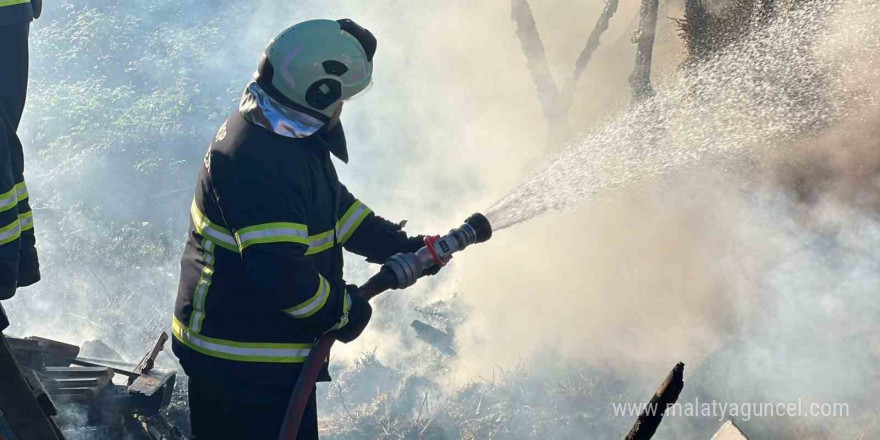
(735, 241)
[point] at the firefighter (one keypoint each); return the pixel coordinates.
(261, 274)
(18, 256)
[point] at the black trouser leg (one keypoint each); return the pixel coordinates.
(224, 408)
(14, 70)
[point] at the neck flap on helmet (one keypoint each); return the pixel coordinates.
(259, 108)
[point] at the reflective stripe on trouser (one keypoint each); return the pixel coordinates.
(240, 351)
(312, 305)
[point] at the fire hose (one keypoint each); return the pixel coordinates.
(400, 271)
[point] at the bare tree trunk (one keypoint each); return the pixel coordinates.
(592, 45)
(640, 80)
(563, 132)
(533, 48)
(555, 105)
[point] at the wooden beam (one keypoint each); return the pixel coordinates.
(650, 418)
(533, 48)
(17, 401)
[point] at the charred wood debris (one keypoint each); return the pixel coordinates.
(38, 376)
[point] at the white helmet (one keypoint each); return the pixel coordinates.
(315, 65)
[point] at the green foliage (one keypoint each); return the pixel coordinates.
(123, 98)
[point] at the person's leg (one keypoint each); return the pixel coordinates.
(211, 414)
(228, 408)
(308, 428)
(265, 406)
(14, 74)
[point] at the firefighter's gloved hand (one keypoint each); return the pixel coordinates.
(358, 316)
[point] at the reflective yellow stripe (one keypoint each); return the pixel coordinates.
(351, 220)
(202, 286)
(13, 2)
(320, 242)
(277, 232)
(10, 232)
(280, 232)
(26, 220)
(206, 228)
(8, 200)
(313, 304)
(21, 191)
(240, 351)
(345, 227)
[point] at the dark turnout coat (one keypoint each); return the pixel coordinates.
(261, 275)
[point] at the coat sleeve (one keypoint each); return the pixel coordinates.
(10, 227)
(267, 214)
(28, 263)
(370, 235)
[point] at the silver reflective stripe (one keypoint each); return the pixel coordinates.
(10, 232)
(320, 242)
(240, 351)
(8, 200)
(247, 351)
(219, 236)
(207, 229)
(313, 304)
(344, 228)
(202, 286)
(21, 191)
(351, 221)
(26, 220)
(279, 232)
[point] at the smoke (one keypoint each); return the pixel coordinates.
(758, 272)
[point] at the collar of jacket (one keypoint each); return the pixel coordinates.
(258, 108)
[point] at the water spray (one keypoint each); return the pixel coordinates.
(400, 271)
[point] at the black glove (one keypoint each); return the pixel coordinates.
(358, 316)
